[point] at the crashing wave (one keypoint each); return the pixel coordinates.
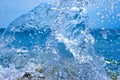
(51, 42)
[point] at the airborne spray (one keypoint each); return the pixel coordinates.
(51, 42)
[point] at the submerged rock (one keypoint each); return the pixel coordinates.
(40, 69)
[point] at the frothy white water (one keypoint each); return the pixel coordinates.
(53, 41)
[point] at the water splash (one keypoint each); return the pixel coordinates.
(52, 41)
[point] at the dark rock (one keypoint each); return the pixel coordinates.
(27, 75)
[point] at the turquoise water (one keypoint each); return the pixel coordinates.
(54, 42)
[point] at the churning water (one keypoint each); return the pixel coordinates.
(52, 42)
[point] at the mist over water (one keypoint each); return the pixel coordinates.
(52, 41)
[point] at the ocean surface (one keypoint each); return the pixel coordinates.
(55, 42)
(107, 42)
(107, 45)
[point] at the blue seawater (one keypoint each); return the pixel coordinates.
(52, 42)
(107, 44)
